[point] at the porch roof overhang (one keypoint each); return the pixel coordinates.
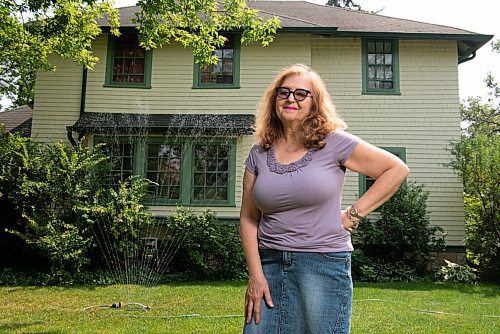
(169, 124)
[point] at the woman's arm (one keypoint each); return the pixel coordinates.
(387, 170)
(249, 222)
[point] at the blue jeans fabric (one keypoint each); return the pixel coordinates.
(311, 292)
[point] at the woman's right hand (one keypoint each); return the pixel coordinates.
(256, 289)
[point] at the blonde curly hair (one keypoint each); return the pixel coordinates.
(321, 120)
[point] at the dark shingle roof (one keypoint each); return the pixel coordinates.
(193, 124)
(17, 120)
(303, 16)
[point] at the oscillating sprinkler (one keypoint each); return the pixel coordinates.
(119, 305)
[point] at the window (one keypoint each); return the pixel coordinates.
(224, 74)
(365, 182)
(380, 67)
(128, 64)
(184, 171)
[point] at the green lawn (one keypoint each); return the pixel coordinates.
(217, 308)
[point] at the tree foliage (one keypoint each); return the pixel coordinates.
(198, 24)
(344, 4)
(30, 31)
(476, 159)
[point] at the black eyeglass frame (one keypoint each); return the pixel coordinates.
(308, 93)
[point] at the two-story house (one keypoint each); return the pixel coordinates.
(189, 127)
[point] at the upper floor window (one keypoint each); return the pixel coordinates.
(128, 64)
(380, 67)
(224, 74)
(365, 182)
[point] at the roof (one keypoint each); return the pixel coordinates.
(303, 16)
(17, 120)
(193, 124)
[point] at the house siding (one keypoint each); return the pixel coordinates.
(423, 118)
(172, 80)
(57, 96)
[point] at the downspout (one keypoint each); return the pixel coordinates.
(83, 98)
(472, 56)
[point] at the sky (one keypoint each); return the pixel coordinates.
(479, 16)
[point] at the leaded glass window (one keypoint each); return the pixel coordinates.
(121, 156)
(225, 73)
(164, 163)
(128, 64)
(381, 66)
(211, 172)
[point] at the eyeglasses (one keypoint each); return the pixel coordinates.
(298, 94)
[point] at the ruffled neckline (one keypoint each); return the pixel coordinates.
(276, 167)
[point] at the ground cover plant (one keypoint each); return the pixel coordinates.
(216, 307)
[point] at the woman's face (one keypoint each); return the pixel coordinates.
(290, 109)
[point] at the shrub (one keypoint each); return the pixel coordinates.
(206, 248)
(482, 240)
(55, 197)
(400, 239)
(456, 273)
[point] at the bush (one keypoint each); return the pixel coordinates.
(456, 273)
(54, 197)
(205, 247)
(482, 240)
(399, 242)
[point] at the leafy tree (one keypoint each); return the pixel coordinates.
(476, 159)
(344, 4)
(30, 31)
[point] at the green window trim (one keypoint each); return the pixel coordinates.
(197, 84)
(364, 180)
(395, 90)
(187, 170)
(108, 81)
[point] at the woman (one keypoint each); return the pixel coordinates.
(295, 235)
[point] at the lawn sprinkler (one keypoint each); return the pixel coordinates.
(119, 305)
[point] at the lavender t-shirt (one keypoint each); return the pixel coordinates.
(301, 202)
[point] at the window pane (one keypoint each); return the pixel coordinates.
(164, 168)
(388, 59)
(371, 47)
(371, 59)
(387, 47)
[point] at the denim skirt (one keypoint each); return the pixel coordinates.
(311, 293)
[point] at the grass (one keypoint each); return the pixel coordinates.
(394, 308)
